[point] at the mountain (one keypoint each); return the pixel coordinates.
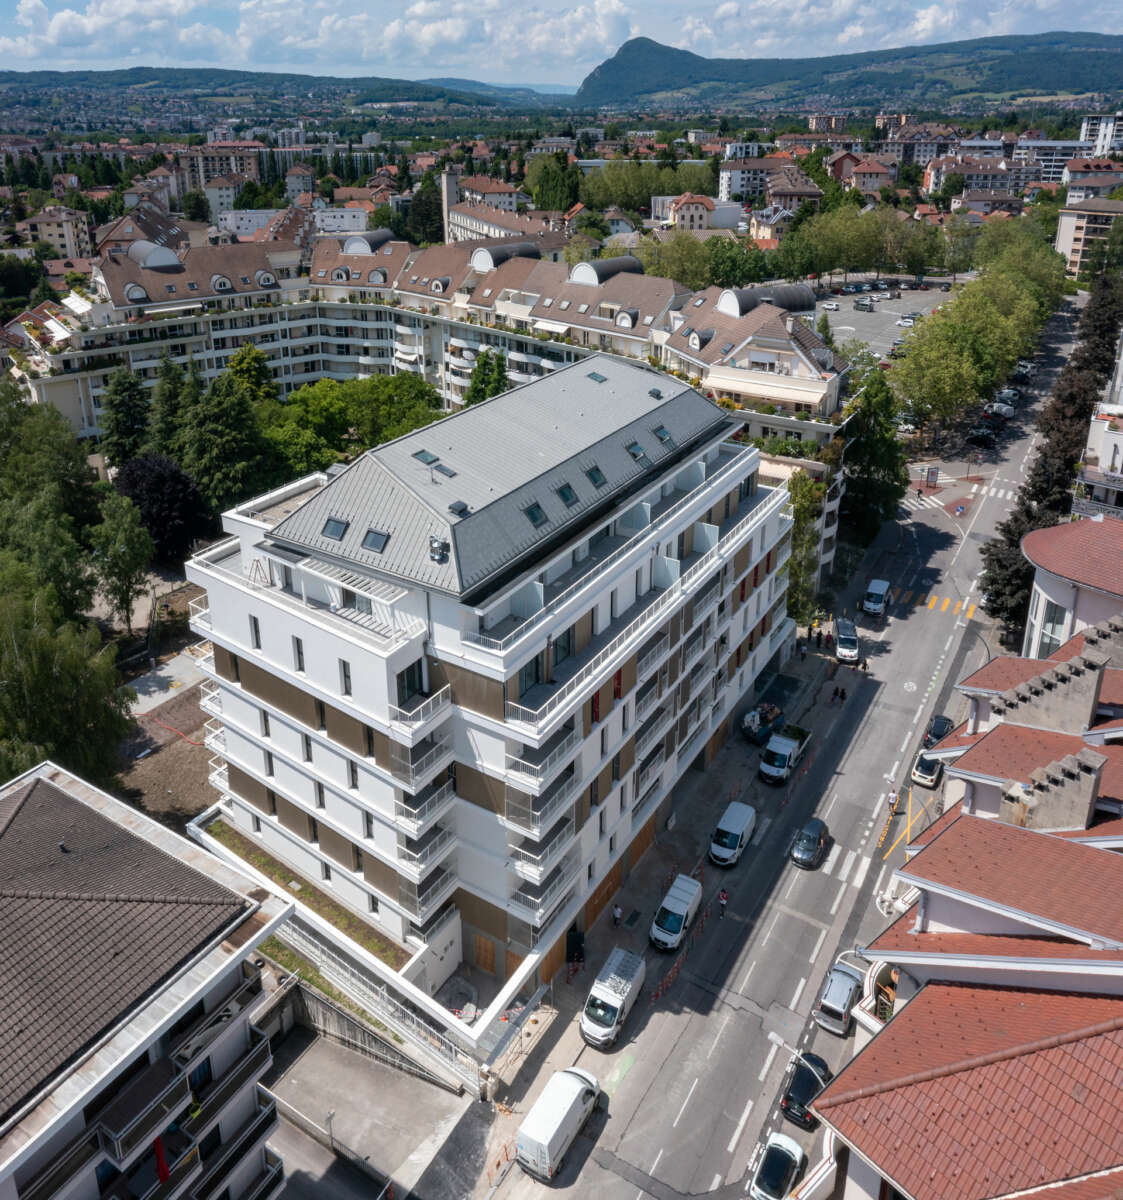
(643, 72)
(516, 92)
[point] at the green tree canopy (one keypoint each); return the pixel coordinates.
(165, 410)
(124, 417)
(876, 466)
(122, 552)
(222, 447)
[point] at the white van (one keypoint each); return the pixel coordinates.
(613, 995)
(846, 641)
(676, 914)
(876, 597)
(733, 833)
(549, 1128)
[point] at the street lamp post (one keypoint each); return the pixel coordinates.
(777, 1040)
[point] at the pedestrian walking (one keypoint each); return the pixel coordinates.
(802, 652)
(829, 640)
(722, 900)
(818, 639)
(864, 663)
(834, 697)
(617, 913)
(919, 494)
(841, 697)
(892, 803)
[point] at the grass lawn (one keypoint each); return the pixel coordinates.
(318, 901)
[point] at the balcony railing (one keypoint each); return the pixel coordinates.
(641, 808)
(536, 902)
(200, 613)
(651, 771)
(419, 709)
(422, 902)
(191, 1043)
(218, 1167)
(646, 701)
(525, 814)
(533, 861)
(210, 698)
(214, 735)
(671, 517)
(416, 769)
(414, 814)
(427, 850)
(145, 1107)
(1095, 508)
(651, 656)
(540, 769)
(180, 1174)
(219, 775)
(54, 1177)
(649, 736)
(273, 1174)
(251, 1066)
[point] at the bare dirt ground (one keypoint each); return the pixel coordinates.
(167, 764)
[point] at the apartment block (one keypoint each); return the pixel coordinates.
(1099, 474)
(129, 1059)
(1081, 228)
(199, 165)
(66, 229)
(455, 683)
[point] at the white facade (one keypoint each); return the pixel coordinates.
(340, 220)
(1059, 608)
(1104, 131)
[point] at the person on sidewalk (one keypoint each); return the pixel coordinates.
(829, 640)
(834, 697)
(722, 901)
(617, 913)
(802, 652)
(818, 639)
(892, 803)
(841, 697)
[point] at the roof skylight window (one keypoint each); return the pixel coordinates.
(448, 472)
(564, 305)
(486, 292)
(597, 377)
(568, 495)
(582, 308)
(536, 514)
(664, 435)
(425, 456)
(596, 476)
(700, 301)
(375, 539)
(636, 450)
(547, 302)
(335, 528)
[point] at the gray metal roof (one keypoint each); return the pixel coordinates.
(507, 454)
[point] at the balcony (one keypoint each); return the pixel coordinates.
(193, 1041)
(535, 901)
(537, 766)
(651, 770)
(217, 1168)
(210, 698)
(251, 1066)
(533, 814)
(652, 651)
(646, 699)
(653, 731)
(416, 768)
(270, 1178)
(421, 901)
(1096, 508)
(200, 613)
(219, 775)
(145, 1107)
(641, 810)
(214, 735)
(143, 1181)
(72, 1159)
(533, 860)
(418, 855)
(706, 598)
(413, 814)
(419, 709)
(700, 676)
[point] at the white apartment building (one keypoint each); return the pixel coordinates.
(1099, 480)
(221, 192)
(1050, 155)
(1082, 228)
(66, 229)
(131, 1069)
(747, 177)
(1104, 131)
(454, 683)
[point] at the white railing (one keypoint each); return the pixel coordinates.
(210, 698)
(652, 656)
(540, 906)
(214, 735)
(413, 820)
(540, 770)
(647, 702)
(200, 612)
(219, 774)
(597, 570)
(421, 712)
(414, 771)
(425, 903)
(650, 736)
(533, 866)
(421, 858)
(532, 820)
(650, 772)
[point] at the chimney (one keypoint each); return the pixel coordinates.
(1059, 796)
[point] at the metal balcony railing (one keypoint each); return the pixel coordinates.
(218, 1167)
(273, 1174)
(535, 814)
(422, 902)
(653, 732)
(646, 700)
(651, 656)
(77, 1156)
(533, 861)
(145, 1107)
(420, 766)
(194, 1040)
(649, 772)
(199, 612)
(419, 709)
(414, 813)
(428, 849)
(539, 769)
(536, 902)
(252, 1065)
(214, 735)
(219, 775)
(210, 698)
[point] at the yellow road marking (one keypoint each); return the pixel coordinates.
(970, 612)
(932, 602)
(907, 831)
(906, 597)
(958, 606)
(896, 593)
(944, 606)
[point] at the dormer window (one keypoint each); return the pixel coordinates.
(536, 514)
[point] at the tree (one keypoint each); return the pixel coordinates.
(1007, 574)
(124, 420)
(122, 552)
(168, 501)
(803, 566)
(729, 264)
(38, 529)
(681, 257)
(222, 447)
(499, 382)
(824, 330)
(876, 466)
(165, 411)
(489, 377)
(195, 206)
(249, 369)
(425, 221)
(384, 407)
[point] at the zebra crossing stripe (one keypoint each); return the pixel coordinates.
(932, 602)
(970, 612)
(944, 606)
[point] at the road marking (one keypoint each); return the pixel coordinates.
(832, 858)
(767, 1065)
(851, 855)
(771, 926)
(655, 1163)
(747, 974)
(893, 771)
(974, 488)
(880, 877)
(838, 899)
(740, 1126)
(798, 993)
(716, 1183)
(818, 946)
(685, 1103)
(944, 606)
(862, 871)
(958, 606)
(932, 602)
(904, 743)
(830, 805)
(789, 888)
(713, 1045)
(762, 829)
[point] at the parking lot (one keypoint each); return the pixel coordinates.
(878, 329)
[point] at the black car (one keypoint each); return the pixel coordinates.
(810, 845)
(807, 1076)
(982, 437)
(938, 729)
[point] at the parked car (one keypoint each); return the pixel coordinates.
(905, 322)
(1008, 395)
(810, 845)
(881, 285)
(927, 771)
(996, 409)
(945, 287)
(938, 729)
(982, 437)
(830, 305)
(923, 287)
(842, 989)
(806, 1078)
(849, 289)
(894, 293)
(780, 1166)
(865, 287)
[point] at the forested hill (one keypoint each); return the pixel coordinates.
(1043, 64)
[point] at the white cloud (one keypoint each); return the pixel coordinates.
(727, 12)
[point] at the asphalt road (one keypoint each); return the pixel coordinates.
(693, 1091)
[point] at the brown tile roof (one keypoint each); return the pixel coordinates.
(1019, 1089)
(451, 262)
(485, 185)
(533, 276)
(327, 255)
(1102, 1185)
(647, 295)
(921, 839)
(1077, 887)
(1010, 751)
(899, 938)
(1111, 689)
(957, 739)
(92, 919)
(1001, 674)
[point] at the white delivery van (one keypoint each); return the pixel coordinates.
(549, 1128)
(733, 833)
(676, 914)
(876, 597)
(846, 640)
(612, 996)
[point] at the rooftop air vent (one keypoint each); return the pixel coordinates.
(458, 507)
(655, 393)
(438, 549)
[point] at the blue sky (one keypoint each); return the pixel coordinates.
(520, 41)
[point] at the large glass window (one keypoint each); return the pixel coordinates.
(410, 682)
(563, 647)
(529, 676)
(1052, 629)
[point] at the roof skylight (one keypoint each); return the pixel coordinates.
(375, 539)
(425, 456)
(335, 528)
(568, 495)
(596, 476)
(536, 514)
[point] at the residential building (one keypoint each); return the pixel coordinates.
(885, 120)
(1104, 131)
(67, 230)
(841, 163)
(199, 165)
(868, 177)
(1078, 580)
(1083, 168)
(737, 150)
(769, 223)
(1051, 155)
(1091, 187)
(744, 178)
(981, 174)
(1099, 480)
(221, 192)
(985, 202)
(340, 220)
(63, 183)
(789, 188)
(689, 211)
(148, 223)
(298, 180)
(920, 143)
(826, 122)
(481, 189)
(1082, 228)
(134, 1068)
(464, 714)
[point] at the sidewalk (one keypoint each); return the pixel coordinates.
(156, 686)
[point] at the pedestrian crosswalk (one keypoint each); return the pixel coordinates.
(942, 480)
(932, 602)
(847, 866)
(999, 493)
(914, 503)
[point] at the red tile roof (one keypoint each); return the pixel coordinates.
(1105, 1185)
(958, 739)
(936, 828)
(1069, 649)
(1103, 826)
(1011, 751)
(1088, 553)
(1074, 886)
(899, 938)
(1003, 673)
(1111, 690)
(1019, 1089)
